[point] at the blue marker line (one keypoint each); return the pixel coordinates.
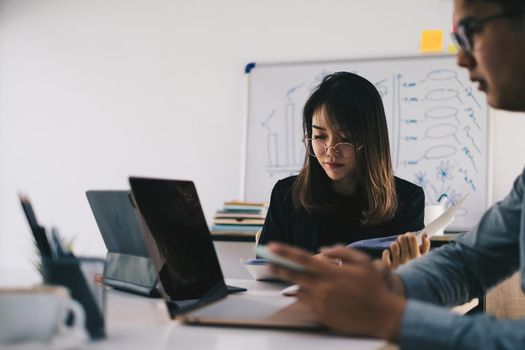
(249, 67)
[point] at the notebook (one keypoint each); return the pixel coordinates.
(128, 266)
(384, 242)
(181, 248)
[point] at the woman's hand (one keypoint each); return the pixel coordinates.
(323, 257)
(405, 248)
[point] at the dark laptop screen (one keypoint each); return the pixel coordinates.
(179, 240)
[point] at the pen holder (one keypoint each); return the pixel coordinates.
(77, 275)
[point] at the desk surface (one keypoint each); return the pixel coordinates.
(135, 322)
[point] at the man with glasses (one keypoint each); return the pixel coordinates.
(365, 298)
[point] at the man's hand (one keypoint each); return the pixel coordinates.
(358, 297)
(405, 248)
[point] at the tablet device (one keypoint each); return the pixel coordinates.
(129, 267)
(277, 260)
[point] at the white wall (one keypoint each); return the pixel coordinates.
(92, 91)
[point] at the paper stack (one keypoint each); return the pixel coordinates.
(239, 218)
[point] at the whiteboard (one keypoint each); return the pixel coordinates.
(437, 120)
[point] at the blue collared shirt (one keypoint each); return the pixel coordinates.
(462, 270)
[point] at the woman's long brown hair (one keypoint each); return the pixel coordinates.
(353, 104)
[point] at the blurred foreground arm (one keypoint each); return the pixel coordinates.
(360, 297)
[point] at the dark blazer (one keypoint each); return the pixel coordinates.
(341, 224)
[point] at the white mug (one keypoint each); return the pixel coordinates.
(432, 212)
(37, 314)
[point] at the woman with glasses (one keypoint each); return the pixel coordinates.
(346, 190)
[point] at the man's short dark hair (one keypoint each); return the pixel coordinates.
(507, 5)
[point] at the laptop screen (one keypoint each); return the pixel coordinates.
(177, 237)
(116, 221)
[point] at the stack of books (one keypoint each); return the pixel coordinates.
(239, 218)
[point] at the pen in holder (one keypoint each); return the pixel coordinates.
(61, 267)
(76, 275)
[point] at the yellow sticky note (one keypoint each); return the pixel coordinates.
(452, 49)
(431, 41)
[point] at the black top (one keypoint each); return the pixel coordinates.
(341, 224)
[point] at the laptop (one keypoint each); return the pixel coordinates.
(128, 266)
(192, 284)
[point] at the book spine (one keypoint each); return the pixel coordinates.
(236, 228)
